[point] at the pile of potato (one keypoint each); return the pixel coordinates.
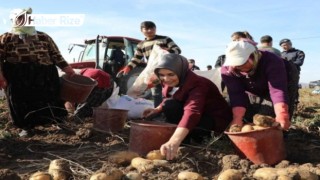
(259, 122)
(59, 169)
(152, 160)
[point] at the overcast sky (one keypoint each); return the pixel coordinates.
(202, 28)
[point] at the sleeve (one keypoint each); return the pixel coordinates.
(277, 80)
(55, 54)
(299, 58)
(194, 107)
(173, 47)
(2, 44)
(137, 57)
(2, 50)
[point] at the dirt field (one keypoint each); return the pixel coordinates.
(87, 151)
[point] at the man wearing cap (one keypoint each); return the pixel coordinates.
(144, 49)
(296, 56)
(292, 54)
(257, 83)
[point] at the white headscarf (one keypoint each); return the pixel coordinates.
(16, 16)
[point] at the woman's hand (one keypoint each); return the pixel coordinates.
(150, 112)
(284, 123)
(237, 122)
(170, 148)
(238, 114)
(282, 115)
(69, 71)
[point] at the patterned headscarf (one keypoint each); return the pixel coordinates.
(175, 63)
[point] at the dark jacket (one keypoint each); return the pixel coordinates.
(295, 55)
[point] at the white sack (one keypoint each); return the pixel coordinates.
(214, 75)
(147, 75)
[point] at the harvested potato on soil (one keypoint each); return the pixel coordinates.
(265, 173)
(99, 176)
(155, 154)
(230, 174)
(40, 176)
(144, 165)
(59, 169)
(123, 157)
(141, 164)
(262, 120)
(133, 176)
(185, 175)
(247, 128)
(114, 174)
(159, 162)
(235, 128)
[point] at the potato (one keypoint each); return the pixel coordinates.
(59, 169)
(230, 174)
(141, 164)
(159, 162)
(265, 173)
(262, 120)
(144, 165)
(114, 174)
(185, 175)
(99, 176)
(247, 128)
(235, 128)
(123, 157)
(40, 176)
(155, 154)
(133, 176)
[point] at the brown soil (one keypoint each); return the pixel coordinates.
(87, 151)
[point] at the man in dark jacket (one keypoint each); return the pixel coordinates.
(294, 55)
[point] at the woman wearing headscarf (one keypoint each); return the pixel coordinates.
(29, 75)
(191, 102)
(258, 82)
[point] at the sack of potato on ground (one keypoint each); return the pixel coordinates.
(259, 122)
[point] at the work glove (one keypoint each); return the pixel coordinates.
(238, 114)
(69, 71)
(124, 71)
(282, 115)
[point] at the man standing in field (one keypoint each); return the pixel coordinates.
(144, 49)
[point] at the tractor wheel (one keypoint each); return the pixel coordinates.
(125, 82)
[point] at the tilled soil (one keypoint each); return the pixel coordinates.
(87, 151)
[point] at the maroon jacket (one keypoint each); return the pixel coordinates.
(200, 95)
